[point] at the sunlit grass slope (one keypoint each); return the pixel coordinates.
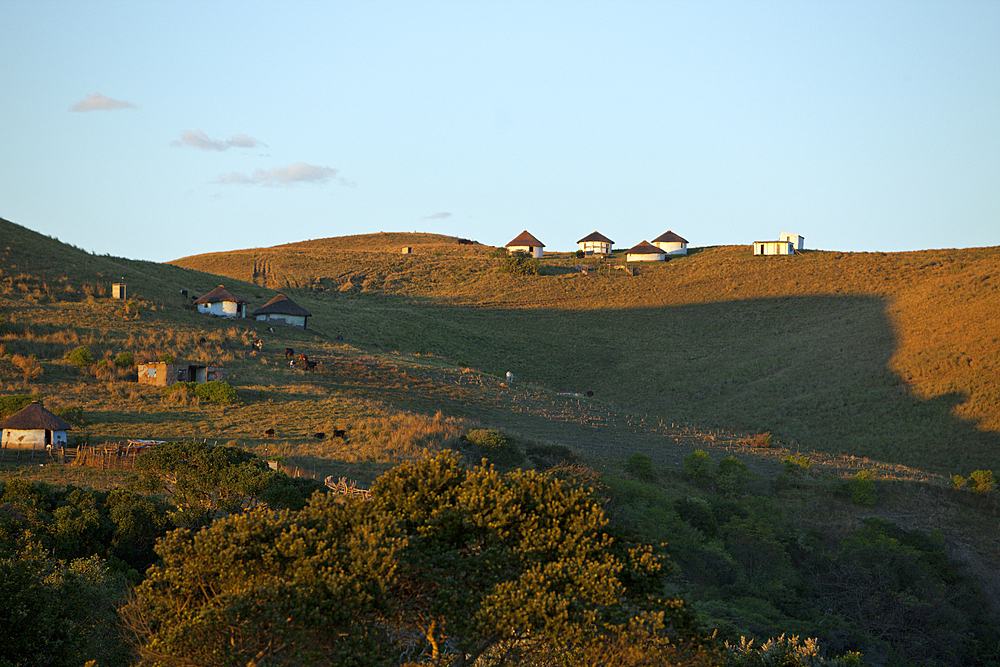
(889, 355)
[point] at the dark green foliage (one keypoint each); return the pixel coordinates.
(125, 360)
(860, 488)
(698, 513)
(450, 564)
(548, 456)
(732, 476)
(698, 468)
(495, 446)
(641, 467)
(80, 356)
(118, 526)
(57, 612)
(205, 482)
(519, 264)
(13, 404)
(214, 391)
(71, 413)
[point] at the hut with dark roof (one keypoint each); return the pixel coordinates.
(284, 310)
(644, 252)
(595, 244)
(221, 302)
(34, 427)
(525, 242)
(671, 243)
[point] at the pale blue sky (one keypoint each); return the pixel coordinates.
(159, 129)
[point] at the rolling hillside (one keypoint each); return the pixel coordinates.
(885, 355)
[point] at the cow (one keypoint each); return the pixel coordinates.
(258, 345)
(340, 433)
(319, 436)
(289, 353)
(269, 432)
(311, 365)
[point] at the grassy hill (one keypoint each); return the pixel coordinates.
(883, 355)
(870, 363)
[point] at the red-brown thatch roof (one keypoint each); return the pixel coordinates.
(669, 237)
(217, 295)
(524, 238)
(596, 237)
(282, 305)
(645, 248)
(33, 417)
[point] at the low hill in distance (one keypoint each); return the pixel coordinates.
(882, 355)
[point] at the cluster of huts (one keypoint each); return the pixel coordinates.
(666, 244)
(280, 309)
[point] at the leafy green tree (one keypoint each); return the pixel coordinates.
(203, 481)
(58, 612)
(444, 565)
(80, 356)
(519, 264)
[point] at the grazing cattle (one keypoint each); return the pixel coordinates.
(303, 358)
(269, 432)
(340, 433)
(319, 436)
(258, 345)
(310, 365)
(289, 353)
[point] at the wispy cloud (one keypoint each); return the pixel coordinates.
(300, 172)
(98, 102)
(438, 216)
(198, 139)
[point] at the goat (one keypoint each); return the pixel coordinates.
(258, 345)
(310, 365)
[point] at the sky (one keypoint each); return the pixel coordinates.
(161, 129)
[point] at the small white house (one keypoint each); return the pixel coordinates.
(34, 427)
(671, 243)
(284, 310)
(645, 252)
(798, 242)
(595, 244)
(525, 242)
(773, 248)
(222, 303)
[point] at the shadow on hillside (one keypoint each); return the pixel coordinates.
(812, 370)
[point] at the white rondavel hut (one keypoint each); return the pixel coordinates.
(595, 244)
(644, 252)
(32, 428)
(284, 310)
(525, 242)
(222, 303)
(671, 243)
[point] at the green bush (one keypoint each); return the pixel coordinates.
(640, 466)
(732, 476)
(13, 404)
(796, 463)
(980, 481)
(217, 392)
(125, 360)
(71, 413)
(80, 356)
(697, 467)
(166, 357)
(495, 446)
(862, 488)
(519, 264)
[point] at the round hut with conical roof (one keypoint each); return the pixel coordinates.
(284, 310)
(34, 427)
(222, 302)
